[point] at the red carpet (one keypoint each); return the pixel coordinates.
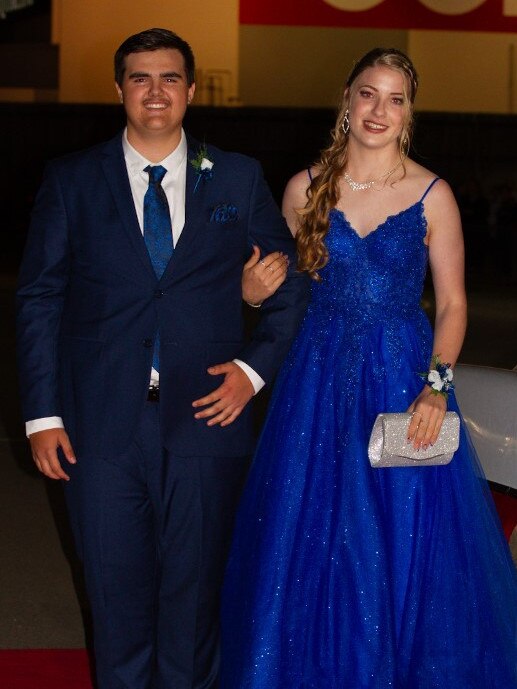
(44, 669)
(506, 506)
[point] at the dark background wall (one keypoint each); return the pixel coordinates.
(28, 58)
(476, 153)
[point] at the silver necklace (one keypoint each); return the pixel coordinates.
(362, 186)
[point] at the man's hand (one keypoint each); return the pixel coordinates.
(44, 446)
(230, 398)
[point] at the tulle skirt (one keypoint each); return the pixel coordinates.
(346, 577)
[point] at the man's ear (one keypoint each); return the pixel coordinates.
(191, 92)
(119, 93)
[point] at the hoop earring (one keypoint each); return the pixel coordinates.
(345, 125)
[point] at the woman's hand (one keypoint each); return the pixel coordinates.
(428, 411)
(262, 277)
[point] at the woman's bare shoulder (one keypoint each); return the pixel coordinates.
(421, 179)
(295, 198)
(295, 194)
(300, 182)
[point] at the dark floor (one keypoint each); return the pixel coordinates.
(38, 601)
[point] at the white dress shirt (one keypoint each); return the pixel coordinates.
(173, 184)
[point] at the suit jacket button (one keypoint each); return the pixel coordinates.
(159, 293)
(148, 342)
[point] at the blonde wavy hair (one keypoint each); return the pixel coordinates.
(323, 192)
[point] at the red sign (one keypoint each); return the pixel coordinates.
(446, 15)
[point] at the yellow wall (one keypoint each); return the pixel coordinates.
(277, 65)
(465, 72)
(89, 31)
(303, 66)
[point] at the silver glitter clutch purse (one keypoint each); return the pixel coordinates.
(388, 446)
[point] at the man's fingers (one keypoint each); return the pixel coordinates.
(51, 468)
(44, 447)
(230, 397)
(230, 419)
(219, 369)
(215, 395)
(223, 416)
(222, 409)
(68, 451)
(209, 411)
(212, 397)
(57, 473)
(208, 399)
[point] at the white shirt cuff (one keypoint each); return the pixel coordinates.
(256, 380)
(45, 424)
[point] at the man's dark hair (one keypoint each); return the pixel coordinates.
(153, 39)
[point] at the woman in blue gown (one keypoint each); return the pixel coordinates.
(342, 576)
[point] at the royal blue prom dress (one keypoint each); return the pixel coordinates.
(346, 577)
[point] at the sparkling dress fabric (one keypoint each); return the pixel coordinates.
(346, 577)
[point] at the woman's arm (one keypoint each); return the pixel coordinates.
(295, 198)
(446, 258)
(261, 278)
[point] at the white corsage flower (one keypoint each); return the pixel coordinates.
(435, 380)
(206, 164)
(439, 378)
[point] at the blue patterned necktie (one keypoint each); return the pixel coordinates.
(157, 230)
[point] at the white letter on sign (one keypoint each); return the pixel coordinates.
(454, 7)
(353, 5)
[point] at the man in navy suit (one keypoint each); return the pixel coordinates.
(136, 380)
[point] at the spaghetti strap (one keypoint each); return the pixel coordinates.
(429, 188)
(309, 173)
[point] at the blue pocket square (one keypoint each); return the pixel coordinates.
(224, 213)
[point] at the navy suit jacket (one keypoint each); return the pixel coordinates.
(90, 305)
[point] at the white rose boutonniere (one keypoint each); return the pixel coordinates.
(202, 165)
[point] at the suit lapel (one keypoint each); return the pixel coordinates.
(194, 209)
(115, 170)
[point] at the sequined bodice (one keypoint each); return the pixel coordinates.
(376, 278)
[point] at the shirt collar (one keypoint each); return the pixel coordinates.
(136, 163)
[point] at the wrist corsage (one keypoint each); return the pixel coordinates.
(439, 377)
